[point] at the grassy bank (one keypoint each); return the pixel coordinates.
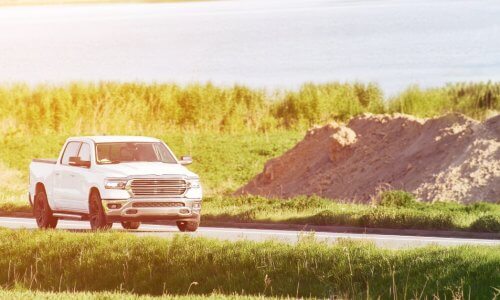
(38, 295)
(23, 294)
(388, 211)
(51, 260)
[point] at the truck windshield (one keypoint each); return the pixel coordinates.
(114, 153)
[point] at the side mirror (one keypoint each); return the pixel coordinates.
(186, 160)
(76, 162)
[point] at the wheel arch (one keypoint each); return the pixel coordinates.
(39, 187)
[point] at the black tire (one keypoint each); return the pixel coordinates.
(97, 216)
(43, 212)
(130, 224)
(187, 225)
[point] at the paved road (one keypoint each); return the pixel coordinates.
(387, 241)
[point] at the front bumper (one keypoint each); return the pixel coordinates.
(158, 209)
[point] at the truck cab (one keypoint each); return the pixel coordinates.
(108, 179)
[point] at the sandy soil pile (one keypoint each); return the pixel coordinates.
(447, 158)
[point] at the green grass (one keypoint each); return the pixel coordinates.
(63, 261)
(23, 294)
(476, 100)
(317, 211)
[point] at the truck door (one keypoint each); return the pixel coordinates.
(80, 181)
(64, 175)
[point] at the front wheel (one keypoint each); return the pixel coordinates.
(42, 212)
(130, 224)
(96, 213)
(188, 225)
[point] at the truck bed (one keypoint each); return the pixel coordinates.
(45, 160)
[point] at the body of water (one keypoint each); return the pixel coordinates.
(261, 43)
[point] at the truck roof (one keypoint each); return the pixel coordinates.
(115, 138)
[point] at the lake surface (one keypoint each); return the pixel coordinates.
(261, 43)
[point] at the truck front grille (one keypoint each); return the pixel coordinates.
(157, 204)
(158, 187)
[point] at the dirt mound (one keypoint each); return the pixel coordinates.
(447, 158)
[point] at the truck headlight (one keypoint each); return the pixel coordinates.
(193, 183)
(115, 183)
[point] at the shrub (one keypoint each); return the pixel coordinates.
(407, 219)
(488, 223)
(397, 199)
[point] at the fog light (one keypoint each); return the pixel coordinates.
(184, 211)
(131, 211)
(114, 205)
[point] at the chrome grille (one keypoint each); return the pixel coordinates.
(158, 187)
(157, 204)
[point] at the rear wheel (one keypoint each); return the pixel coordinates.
(187, 225)
(42, 212)
(96, 213)
(130, 225)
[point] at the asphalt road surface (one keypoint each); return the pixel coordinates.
(233, 234)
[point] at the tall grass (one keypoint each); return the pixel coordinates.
(137, 108)
(477, 100)
(63, 261)
(24, 294)
(313, 210)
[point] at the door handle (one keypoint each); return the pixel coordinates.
(72, 175)
(57, 173)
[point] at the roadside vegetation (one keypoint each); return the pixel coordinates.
(64, 261)
(476, 100)
(23, 294)
(112, 108)
(231, 132)
(393, 209)
(40, 295)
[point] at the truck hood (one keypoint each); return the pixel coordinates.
(145, 168)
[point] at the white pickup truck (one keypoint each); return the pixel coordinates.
(107, 179)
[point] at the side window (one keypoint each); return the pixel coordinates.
(84, 153)
(71, 150)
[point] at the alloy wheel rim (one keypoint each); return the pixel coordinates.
(40, 211)
(94, 213)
